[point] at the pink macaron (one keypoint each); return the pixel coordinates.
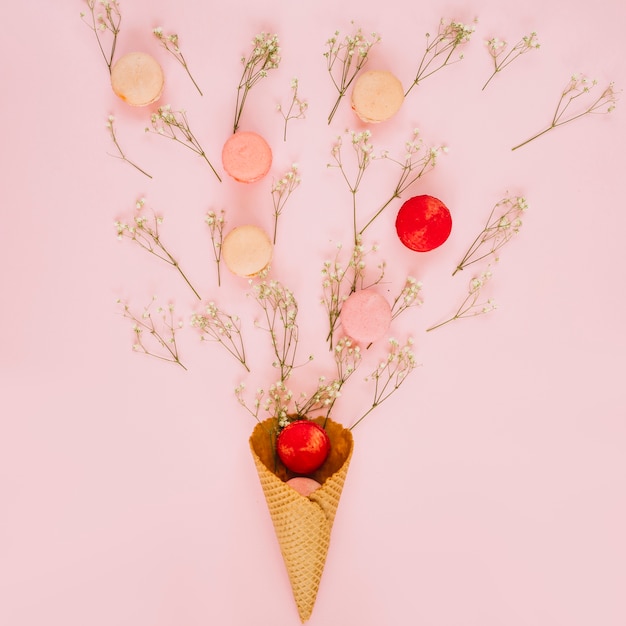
(303, 485)
(246, 157)
(365, 316)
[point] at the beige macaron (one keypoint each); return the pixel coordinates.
(137, 79)
(247, 250)
(377, 96)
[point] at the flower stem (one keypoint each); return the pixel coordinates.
(543, 132)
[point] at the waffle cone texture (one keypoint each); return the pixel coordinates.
(302, 524)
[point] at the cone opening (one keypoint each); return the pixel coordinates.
(263, 441)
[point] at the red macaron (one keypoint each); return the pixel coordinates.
(423, 223)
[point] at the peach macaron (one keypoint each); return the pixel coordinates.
(137, 78)
(246, 156)
(377, 96)
(365, 316)
(247, 250)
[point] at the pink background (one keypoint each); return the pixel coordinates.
(489, 490)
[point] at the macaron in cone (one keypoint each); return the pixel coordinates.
(302, 524)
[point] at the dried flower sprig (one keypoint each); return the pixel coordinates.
(350, 54)
(216, 225)
(145, 233)
(161, 332)
(339, 281)
(440, 50)
(280, 311)
(578, 87)
(470, 307)
(407, 298)
(110, 124)
(390, 373)
(282, 190)
(280, 401)
(347, 357)
(224, 328)
(504, 221)
(175, 125)
(109, 21)
(418, 161)
(297, 108)
(265, 56)
(364, 151)
(170, 43)
(496, 48)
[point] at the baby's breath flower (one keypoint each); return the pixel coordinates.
(407, 298)
(579, 86)
(470, 307)
(216, 225)
(175, 126)
(297, 108)
(217, 325)
(418, 160)
(496, 49)
(390, 373)
(350, 54)
(100, 23)
(265, 56)
(280, 310)
(364, 151)
(155, 332)
(170, 43)
(339, 280)
(110, 125)
(440, 50)
(504, 221)
(347, 357)
(145, 233)
(281, 190)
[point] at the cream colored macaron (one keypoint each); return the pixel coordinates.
(377, 96)
(137, 79)
(247, 250)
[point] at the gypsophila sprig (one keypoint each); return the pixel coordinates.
(265, 56)
(471, 307)
(441, 49)
(101, 23)
(578, 87)
(110, 124)
(280, 311)
(155, 331)
(297, 108)
(364, 151)
(282, 190)
(216, 225)
(390, 373)
(504, 221)
(170, 43)
(144, 231)
(407, 298)
(224, 328)
(497, 48)
(418, 160)
(349, 54)
(340, 279)
(347, 358)
(175, 125)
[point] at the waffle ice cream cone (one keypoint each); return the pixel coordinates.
(302, 523)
